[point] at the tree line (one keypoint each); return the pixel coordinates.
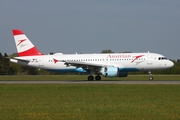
(9, 68)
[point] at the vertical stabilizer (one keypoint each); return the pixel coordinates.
(24, 45)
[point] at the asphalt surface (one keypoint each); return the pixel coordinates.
(86, 82)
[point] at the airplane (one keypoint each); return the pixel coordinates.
(107, 65)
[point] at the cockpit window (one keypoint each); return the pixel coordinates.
(162, 58)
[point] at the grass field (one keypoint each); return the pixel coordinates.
(89, 102)
(84, 77)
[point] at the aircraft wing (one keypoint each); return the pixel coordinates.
(84, 65)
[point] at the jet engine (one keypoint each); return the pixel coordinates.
(113, 72)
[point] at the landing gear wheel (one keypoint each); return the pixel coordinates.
(90, 78)
(151, 78)
(98, 78)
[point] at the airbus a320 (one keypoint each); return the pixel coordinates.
(107, 65)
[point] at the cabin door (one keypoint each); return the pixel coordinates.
(150, 60)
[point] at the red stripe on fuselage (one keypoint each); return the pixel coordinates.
(136, 57)
(31, 52)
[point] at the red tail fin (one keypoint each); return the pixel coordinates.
(24, 45)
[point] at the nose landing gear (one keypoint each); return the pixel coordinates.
(150, 76)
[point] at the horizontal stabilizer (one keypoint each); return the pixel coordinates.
(22, 59)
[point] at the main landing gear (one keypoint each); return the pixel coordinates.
(91, 78)
(150, 76)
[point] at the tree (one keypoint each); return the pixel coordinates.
(51, 53)
(107, 51)
(127, 52)
(178, 60)
(28, 70)
(1, 64)
(5, 68)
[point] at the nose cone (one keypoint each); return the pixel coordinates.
(170, 64)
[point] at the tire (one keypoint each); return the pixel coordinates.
(90, 78)
(150, 78)
(98, 78)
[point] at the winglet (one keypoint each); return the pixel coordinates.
(24, 45)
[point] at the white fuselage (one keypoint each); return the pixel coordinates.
(124, 61)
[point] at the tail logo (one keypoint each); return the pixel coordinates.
(21, 41)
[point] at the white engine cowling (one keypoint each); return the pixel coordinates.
(112, 72)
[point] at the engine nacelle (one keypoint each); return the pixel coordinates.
(112, 72)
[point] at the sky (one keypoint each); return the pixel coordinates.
(90, 26)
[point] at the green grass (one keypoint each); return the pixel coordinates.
(89, 102)
(84, 77)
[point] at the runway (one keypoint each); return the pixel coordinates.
(86, 82)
